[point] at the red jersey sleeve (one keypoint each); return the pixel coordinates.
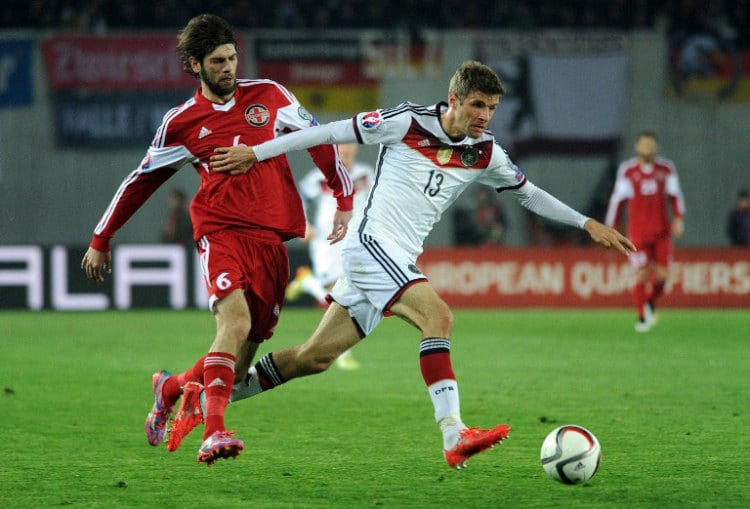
(337, 177)
(132, 193)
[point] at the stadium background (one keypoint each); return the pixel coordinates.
(83, 87)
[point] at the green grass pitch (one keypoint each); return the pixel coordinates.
(671, 409)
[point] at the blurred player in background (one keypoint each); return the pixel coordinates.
(428, 156)
(240, 223)
(320, 205)
(178, 228)
(648, 185)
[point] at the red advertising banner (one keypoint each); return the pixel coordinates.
(114, 62)
(316, 72)
(581, 277)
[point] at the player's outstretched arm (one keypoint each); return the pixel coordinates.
(96, 262)
(609, 237)
(238, 159)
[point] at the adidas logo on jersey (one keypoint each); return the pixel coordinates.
(204, 132)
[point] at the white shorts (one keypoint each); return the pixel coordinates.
(376, 273)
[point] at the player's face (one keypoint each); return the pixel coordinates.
(474, 113)
(645, 147)
(218, 71)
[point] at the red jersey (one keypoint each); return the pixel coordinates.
(264, 198)
(647, 189)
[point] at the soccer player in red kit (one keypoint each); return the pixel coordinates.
(648, 184)
(240, 223)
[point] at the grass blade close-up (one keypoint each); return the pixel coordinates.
(669, 407)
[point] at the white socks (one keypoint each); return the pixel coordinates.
(247, 388)
(444, 395)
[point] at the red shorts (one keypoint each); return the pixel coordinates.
(658, 251)
(256, 262)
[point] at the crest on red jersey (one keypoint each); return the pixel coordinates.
(257, 115)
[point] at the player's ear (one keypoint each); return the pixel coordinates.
(195, 65)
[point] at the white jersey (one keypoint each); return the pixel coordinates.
(420, 171)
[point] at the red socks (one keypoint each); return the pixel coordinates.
(639, 298)
(657, 290)
(435, 360)
(218, 377)
(172, 388)
(194, 374)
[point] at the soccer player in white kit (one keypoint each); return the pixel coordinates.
(428, 156)
(320, 208)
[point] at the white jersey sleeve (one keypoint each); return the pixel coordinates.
(544, 204)
(166, 157)
(385, 127)
(672, 188)
(340, 131)
(293, 116)
(503, 175)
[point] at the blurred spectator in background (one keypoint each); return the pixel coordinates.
(483, 223)
(97, 15)
(465, 231)
(489, 217)
(738, 226)
(179, 227)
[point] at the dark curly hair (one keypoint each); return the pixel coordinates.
(201, 36)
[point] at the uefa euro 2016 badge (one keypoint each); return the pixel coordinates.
(257, 115)
(371, 120)
(469, 156)
(519, 174)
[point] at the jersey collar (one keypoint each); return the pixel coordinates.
(217, 107)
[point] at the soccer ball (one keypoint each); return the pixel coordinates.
(571, 454)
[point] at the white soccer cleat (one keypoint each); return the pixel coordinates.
(642, 325)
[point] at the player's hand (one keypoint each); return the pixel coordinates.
(234, 160)
(678, 227)
(96, 262)
(609, 237)
(340, 224)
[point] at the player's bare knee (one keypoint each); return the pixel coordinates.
(441, 319)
